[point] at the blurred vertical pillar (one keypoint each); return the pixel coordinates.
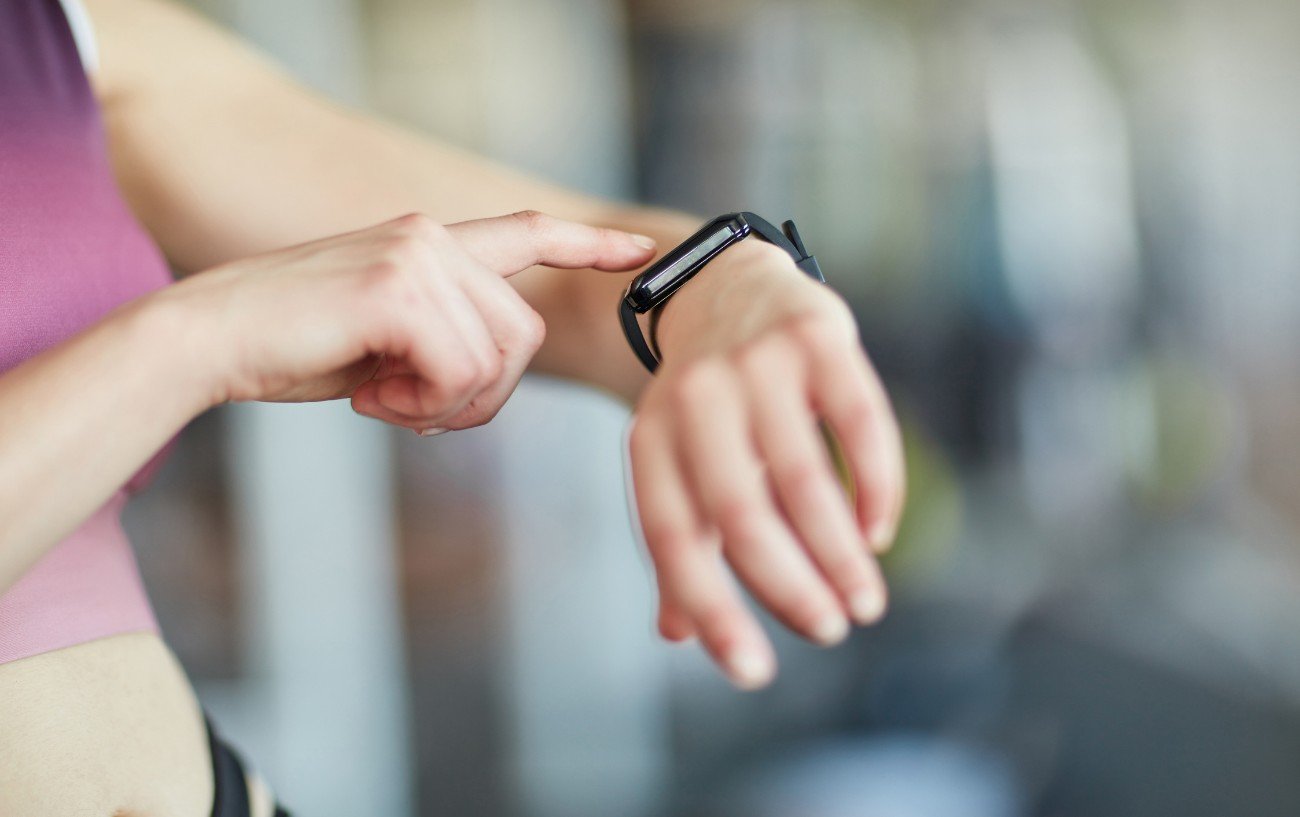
(324, 709)
(1068, 238)
(584, 683)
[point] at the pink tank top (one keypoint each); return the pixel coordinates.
(70, 252)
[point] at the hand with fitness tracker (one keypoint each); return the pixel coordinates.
(760, 383)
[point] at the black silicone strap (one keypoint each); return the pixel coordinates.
(635, 338)
(788, 239)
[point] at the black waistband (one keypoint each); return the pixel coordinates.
(230, 785)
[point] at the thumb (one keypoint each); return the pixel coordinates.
(513, 243)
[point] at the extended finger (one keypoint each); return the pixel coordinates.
(513, 243)
(803, 476)
(727, 477)
(847, 393)
(691, 577)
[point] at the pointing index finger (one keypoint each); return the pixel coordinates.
(513, 243)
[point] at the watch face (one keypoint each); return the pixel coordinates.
(666, 277)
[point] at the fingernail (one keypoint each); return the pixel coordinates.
(830, 629)
(433, 432)
(643, 241)
(867, 606)
(881, 536)
(749, 670)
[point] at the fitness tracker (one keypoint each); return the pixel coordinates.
(656, 285)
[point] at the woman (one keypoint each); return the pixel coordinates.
(306, 276)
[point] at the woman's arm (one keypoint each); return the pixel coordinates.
(79, 419)
(411, 320)
(222, 155)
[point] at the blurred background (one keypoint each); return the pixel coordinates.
(1071, 233)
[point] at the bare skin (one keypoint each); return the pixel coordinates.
(731, 477)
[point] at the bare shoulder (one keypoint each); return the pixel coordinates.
(108, 727)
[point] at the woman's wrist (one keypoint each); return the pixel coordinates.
(176, 342)
(725, 292)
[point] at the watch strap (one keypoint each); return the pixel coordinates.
(635, 338)
(788, 239)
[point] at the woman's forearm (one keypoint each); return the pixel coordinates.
(77, 420)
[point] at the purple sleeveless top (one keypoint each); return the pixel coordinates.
(70, 252)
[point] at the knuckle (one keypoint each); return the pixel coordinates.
(491, 369)
(419, 226)
(403, 250)
(457, 378)
(666, 540)
(856, 410)
(715, 619)
(479, 374)
(830, 307)
(826, 332)
(843, 567)
(697, 383)
(534, 221)
(526, 330)
(532, 330)
(801, 479)
(389, 279)
(738, 516)
(756, 356)
(815, 333)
